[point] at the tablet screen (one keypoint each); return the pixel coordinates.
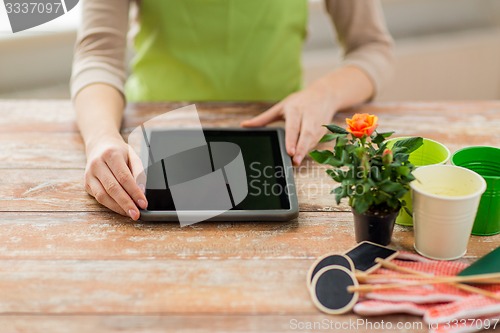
(263, 163)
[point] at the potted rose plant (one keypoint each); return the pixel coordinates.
(373, 177)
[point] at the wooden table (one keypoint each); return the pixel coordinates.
(69, 265)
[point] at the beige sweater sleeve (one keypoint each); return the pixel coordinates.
(101, 45)
(362, 33)
(101, 42)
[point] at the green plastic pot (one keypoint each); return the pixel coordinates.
(486, 162)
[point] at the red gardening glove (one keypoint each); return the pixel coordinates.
(470, 314)
(439, 304)
(436, 293)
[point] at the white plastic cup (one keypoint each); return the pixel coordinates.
(445, 203)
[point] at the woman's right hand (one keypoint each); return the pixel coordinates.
(110, 175)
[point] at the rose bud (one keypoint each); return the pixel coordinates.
(387, 156)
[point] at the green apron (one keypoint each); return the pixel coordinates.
(209, 50)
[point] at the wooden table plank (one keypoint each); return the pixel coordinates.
(95, 235)
(231, 286)
(36, 116)
(58, 116)
(62, 190)
(51, 150)
(56, 150)
(45, 190)
(208, 323)
(41, 135)
(449, 119)
(212, 114)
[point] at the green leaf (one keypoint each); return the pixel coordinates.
(381, 197)
(331, 172)
(340, 192)
(401, 157)
(329, 137)
(391, 187)
(398, 150)
(344, 157)
(375, 173)
(410, 178)
(411, 144)
(386, 134)
(337, 190)
(342, 141)
(336, 176)
(394, 203)
(325, 157)
(381, 148)
(333, 162)
(378, 139)
(348, 182)
(360, 205)
(359, 152)
(403, 170)
(320, 156)
(336, 129)
(400, 193)
(366, 188)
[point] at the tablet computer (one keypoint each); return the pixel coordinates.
(262, 188)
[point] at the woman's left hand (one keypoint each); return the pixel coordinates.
(304, 113)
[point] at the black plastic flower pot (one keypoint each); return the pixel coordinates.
(373, 227)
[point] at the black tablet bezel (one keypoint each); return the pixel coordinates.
(245, 215)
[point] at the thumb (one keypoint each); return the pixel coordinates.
(265, 117)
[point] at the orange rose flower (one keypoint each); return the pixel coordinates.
(362, 124)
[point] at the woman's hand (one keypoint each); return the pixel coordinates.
(110, 174)
(304, 113)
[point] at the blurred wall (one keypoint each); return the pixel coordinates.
(36, 66)
(445, 49)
